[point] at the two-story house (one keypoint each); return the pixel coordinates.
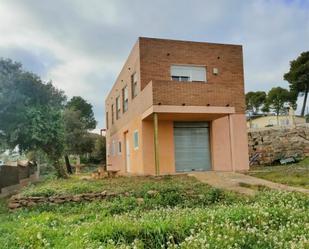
(178, 106)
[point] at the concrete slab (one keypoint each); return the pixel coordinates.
(241, 183)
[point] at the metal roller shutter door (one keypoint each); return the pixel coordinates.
(192, 151)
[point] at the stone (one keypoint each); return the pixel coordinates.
(140, 201)
(152, 192)
(14, 205)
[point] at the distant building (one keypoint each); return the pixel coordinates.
(261, 121)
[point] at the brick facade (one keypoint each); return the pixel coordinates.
(151, 59)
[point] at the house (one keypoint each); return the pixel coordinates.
(178, 106)
(270, 120)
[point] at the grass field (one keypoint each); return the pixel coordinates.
(182, 213)
(292, 174)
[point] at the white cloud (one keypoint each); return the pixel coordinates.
(81, 45)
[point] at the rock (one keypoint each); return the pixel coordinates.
(140, 201)
(152, 192)
(14, 205)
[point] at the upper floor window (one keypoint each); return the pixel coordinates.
(106, 120)
(112, 110)
(188, 73)
(125, 98)
(134, 85)
(118, 107)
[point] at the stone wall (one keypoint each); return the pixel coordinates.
(269, 145)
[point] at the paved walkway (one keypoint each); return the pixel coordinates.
(241, 183)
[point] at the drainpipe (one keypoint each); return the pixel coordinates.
(231, 142)
(156, 143)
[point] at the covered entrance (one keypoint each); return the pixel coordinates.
(192, 150)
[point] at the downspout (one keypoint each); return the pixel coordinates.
(156, 144)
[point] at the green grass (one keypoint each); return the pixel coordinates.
(292, 174)
(183, 213)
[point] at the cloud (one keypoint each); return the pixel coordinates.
(82, 45)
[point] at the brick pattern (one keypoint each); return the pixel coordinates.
(157, 56)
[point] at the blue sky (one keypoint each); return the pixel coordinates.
(82, 45)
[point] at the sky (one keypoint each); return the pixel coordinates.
(82, 45)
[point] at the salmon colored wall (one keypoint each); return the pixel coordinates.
(118, 161)
(166, 147)
(239, 142)
(220, 144)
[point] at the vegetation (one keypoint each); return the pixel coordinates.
(180, 212)
(298, 77)
(293, 174)
(30, 113)
(255, 100)
(34, 117)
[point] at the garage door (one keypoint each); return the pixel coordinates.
(192, 151)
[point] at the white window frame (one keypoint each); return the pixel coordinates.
(134, 144)
(118, 107)
(188, 72)
(125, 99)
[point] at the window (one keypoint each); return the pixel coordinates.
(125, 98)
(107, 150)
(113, 148)
(134, 85)
(119, 147)
(117, 107)
(188, 73)
(135, 139)
(106, 120)
(112, 109)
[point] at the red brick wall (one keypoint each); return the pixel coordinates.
(157, 56)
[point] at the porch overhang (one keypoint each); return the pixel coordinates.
(193, 113)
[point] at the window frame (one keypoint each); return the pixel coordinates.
(125, 101)
(182, 77)
(112, 110)
(118, 107)
(134, 83)
(119, 148)
(106, 120)
(135, 140)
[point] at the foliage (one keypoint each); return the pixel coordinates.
(255, 100)
(183, 213)
(277, 98)
(78, 141)
(77, 103)
(298, 77)
(98, 155)
(30, 112)
(78, 119)
(293, 174)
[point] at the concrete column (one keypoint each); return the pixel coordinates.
(232, 142)
(156, 143)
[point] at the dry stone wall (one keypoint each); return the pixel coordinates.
(268, 145)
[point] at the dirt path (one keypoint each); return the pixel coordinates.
(241, 183)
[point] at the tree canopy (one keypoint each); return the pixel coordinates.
(278, 98)
(255, 100)
(298, 77)
(30, 112)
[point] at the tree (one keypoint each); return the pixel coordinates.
(99, 152)
(277, 98)
(254, 101)
(30, 113)
(78, 119)
(77, 103)
(298, 77)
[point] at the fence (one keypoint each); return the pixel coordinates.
(14, 177)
